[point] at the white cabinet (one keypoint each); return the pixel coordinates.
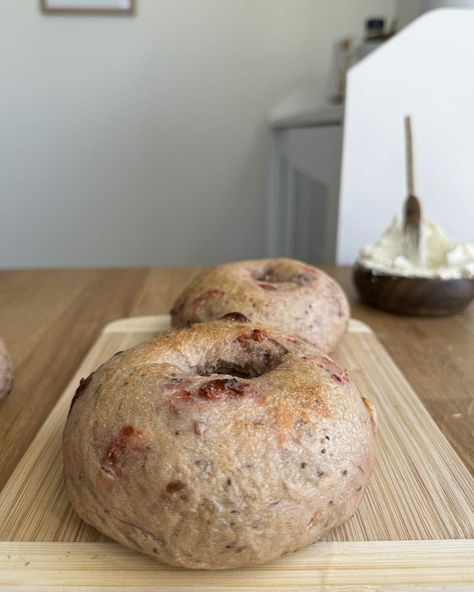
(303, 189)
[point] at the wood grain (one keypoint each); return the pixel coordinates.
(50, 318)
(427, 566)
(420, 488)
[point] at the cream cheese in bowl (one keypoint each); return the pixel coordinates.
(439, 256)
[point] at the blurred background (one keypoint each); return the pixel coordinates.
(159, 138)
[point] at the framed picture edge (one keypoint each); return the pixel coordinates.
(111, 11)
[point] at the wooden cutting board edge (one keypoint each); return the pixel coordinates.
(363, 566)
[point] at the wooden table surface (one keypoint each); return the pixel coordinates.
(49, 319)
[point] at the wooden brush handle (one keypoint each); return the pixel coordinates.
(409, 156)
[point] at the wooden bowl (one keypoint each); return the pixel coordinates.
(411, 295)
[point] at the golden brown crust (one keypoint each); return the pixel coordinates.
(284, 294)
(372, 412)
(218, 445)
(6, 371)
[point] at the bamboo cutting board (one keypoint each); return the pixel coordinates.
(415, 526)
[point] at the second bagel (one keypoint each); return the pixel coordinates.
(283, 294)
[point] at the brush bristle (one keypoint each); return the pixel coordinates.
(412, 225)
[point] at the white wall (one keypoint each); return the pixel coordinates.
(142, 141)
(407, 11)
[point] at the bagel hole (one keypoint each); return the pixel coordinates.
(267, 275)
(251, 354)
(271, 275)
(232, 369)
(261, 363)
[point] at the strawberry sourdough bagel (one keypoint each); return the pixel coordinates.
(218, 445)
(283, 294)
(6, 371)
